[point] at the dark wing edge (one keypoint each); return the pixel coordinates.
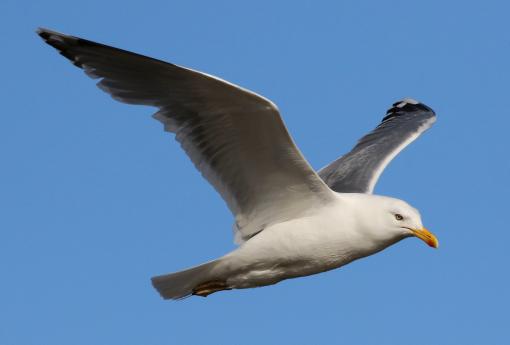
(235, 138)
(359, 170)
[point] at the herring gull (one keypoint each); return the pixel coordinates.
(289, 220)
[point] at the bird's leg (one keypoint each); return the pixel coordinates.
(210, 287)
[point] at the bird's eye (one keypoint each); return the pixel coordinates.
(399, 217)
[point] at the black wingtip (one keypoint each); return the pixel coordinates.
(47, 34)
(41, 31)
(405, 105)
(60, 42)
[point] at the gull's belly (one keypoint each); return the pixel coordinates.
(296, 248)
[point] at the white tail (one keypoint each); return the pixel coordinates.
(182, 284)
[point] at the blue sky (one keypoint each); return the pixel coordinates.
(96, 198)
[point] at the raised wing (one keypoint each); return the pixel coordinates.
(235, 138)
(359, 170)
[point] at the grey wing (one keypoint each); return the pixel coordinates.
(235, 138)
(359, 170)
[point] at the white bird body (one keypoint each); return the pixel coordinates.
(322, 238)
(318, 240)
(290, 220)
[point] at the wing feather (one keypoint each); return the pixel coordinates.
(235, 138)
(359, 170)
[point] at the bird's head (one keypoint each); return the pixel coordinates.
(402, 219)
(389, 220)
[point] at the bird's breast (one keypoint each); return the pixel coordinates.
(319, 241)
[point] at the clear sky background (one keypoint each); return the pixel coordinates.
(95, 198)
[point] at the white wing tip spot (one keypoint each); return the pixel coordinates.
(405, 101)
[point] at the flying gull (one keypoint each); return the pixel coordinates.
(290, 221)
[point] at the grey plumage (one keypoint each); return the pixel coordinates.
(358, 170)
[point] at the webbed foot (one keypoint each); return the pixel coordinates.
(207, 288)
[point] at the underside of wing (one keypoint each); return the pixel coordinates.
(359, 170)
(235, 137)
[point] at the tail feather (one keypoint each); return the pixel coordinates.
(181, 284)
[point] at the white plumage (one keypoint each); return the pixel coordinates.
(289, 220)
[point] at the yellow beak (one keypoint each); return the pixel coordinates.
(426, 236)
